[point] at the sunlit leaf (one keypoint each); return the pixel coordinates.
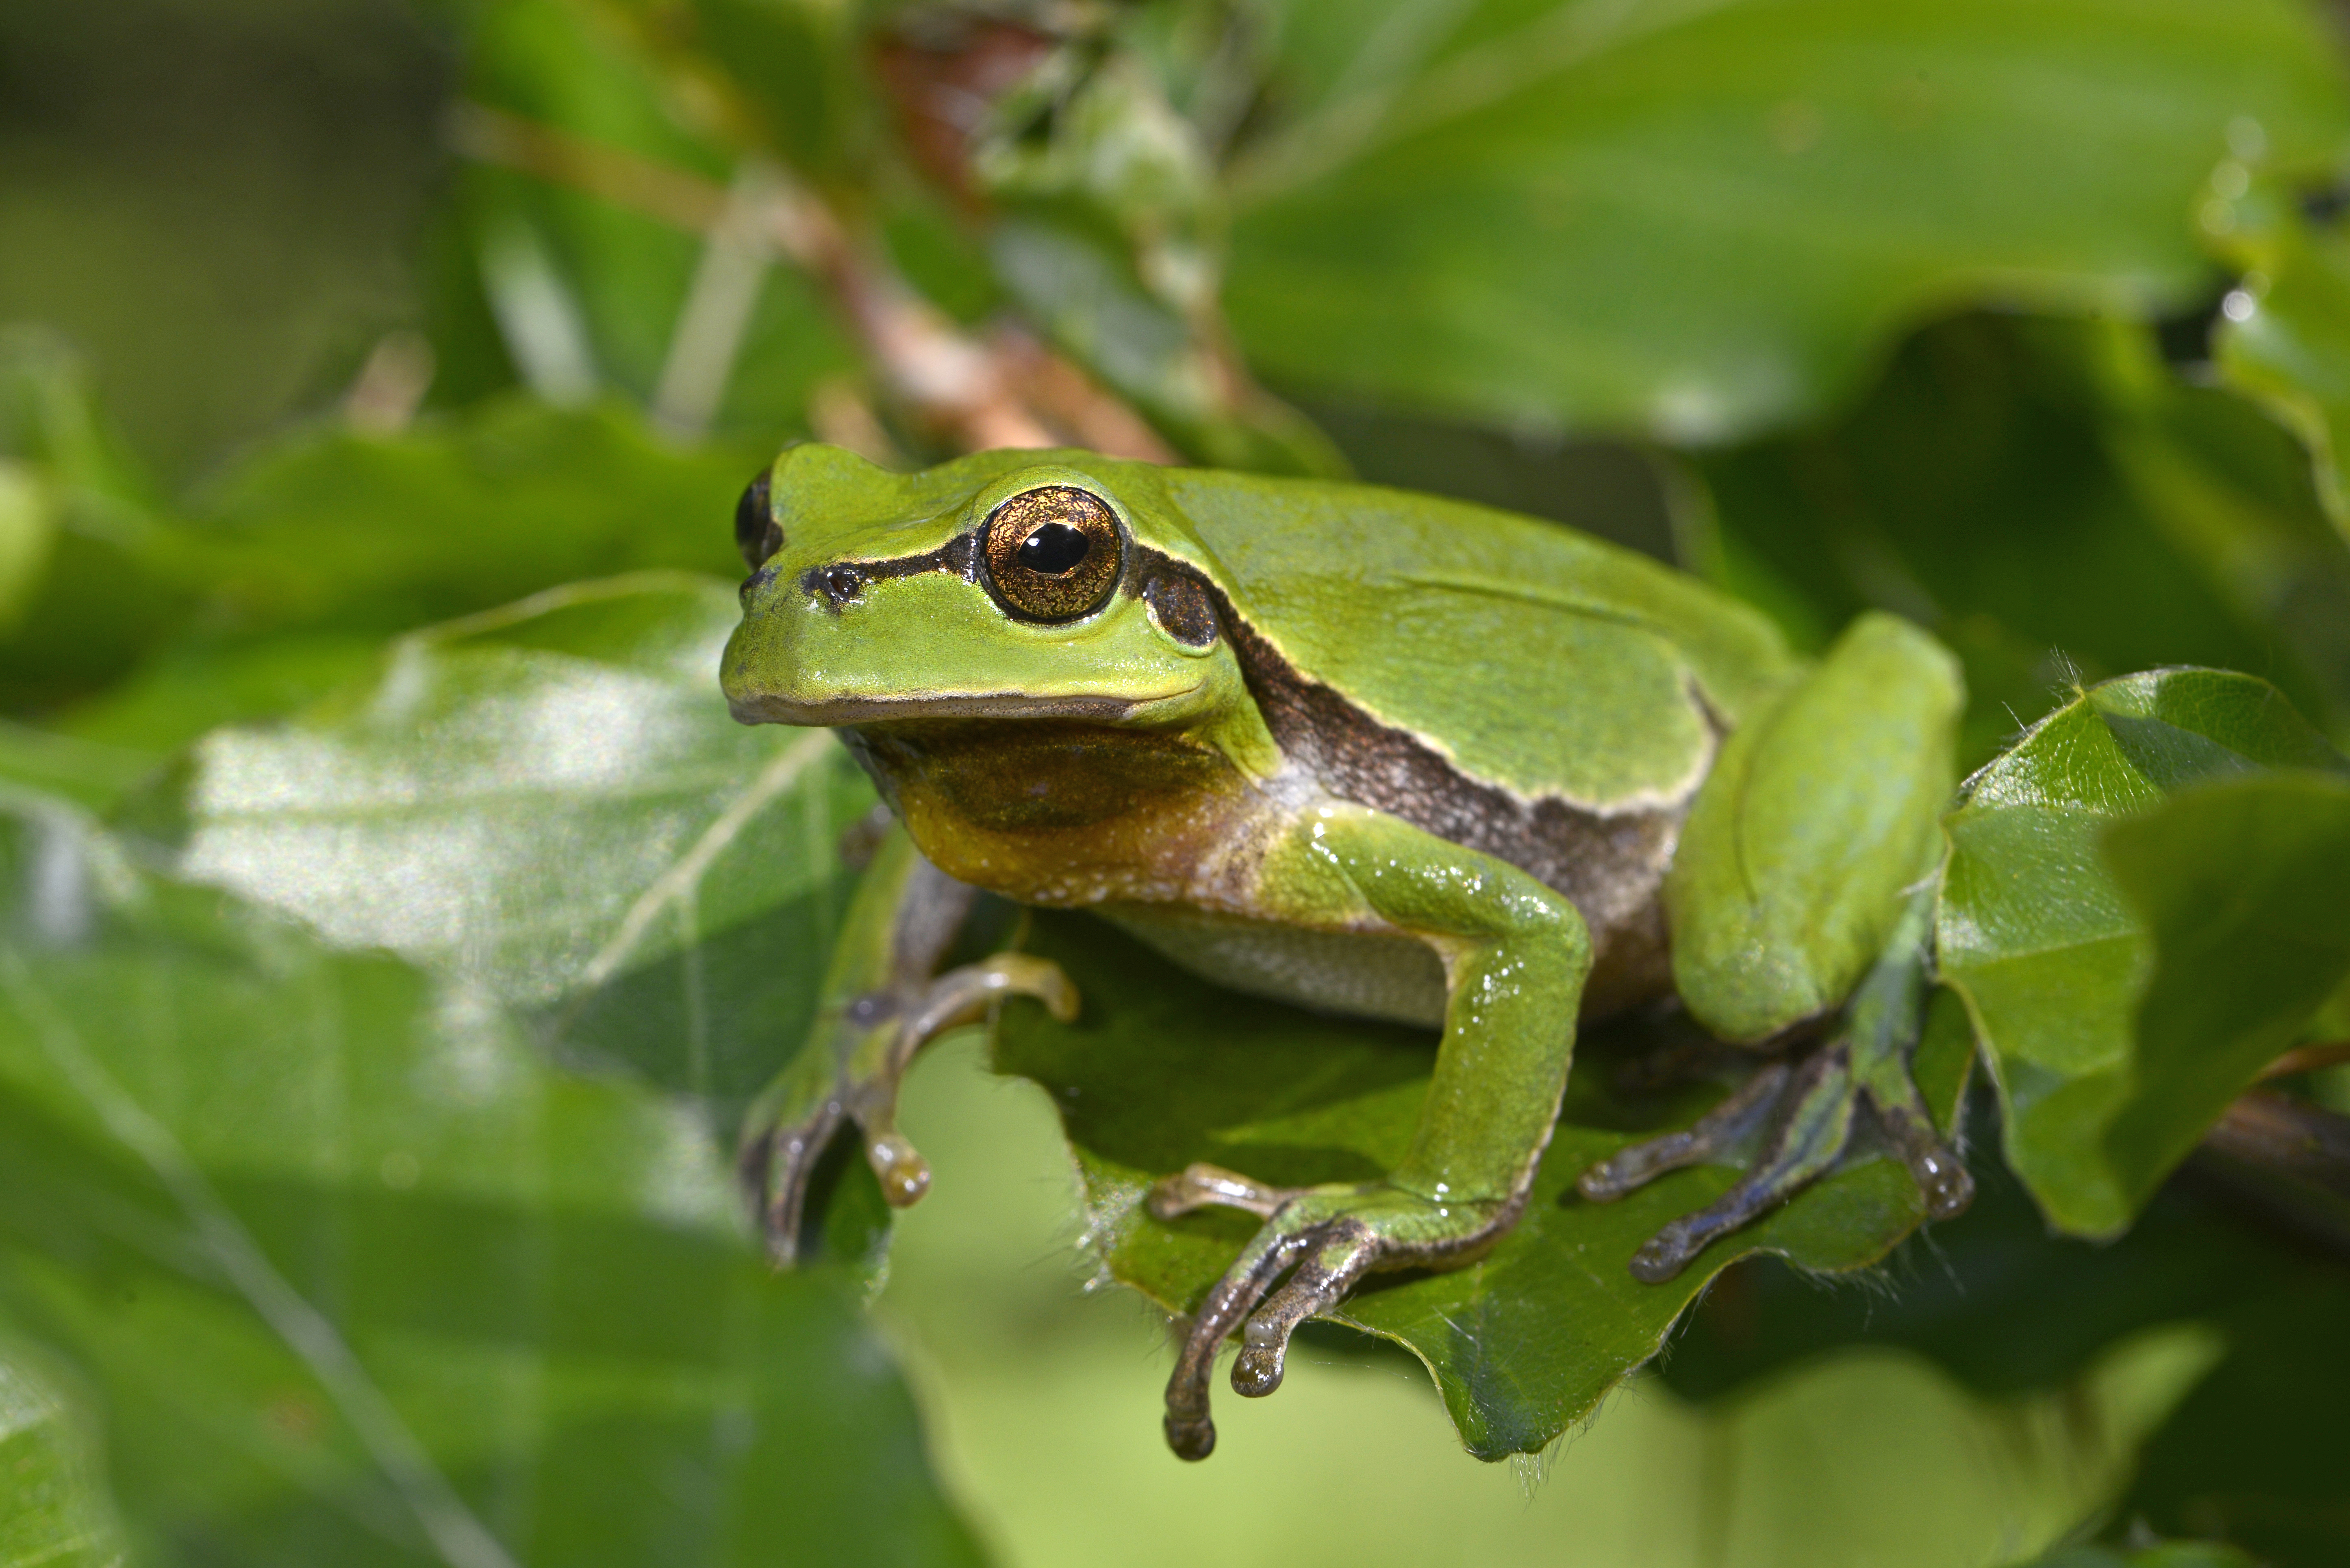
(52, 1512)
(2122, 1011)
(550, 802)
(358, 1277)
(1161, 1070)
(1694, 220)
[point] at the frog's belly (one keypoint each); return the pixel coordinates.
(1364, 974)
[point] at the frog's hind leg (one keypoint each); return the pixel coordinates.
(1709, 1138)
(1802, 890)
(1201, 1186)
(882, 1002)
(1516, 955)
(1810, 1106)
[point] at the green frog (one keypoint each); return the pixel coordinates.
(1369, 751)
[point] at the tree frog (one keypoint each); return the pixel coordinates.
(1369, 752)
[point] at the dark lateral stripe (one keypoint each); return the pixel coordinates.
(1182, 596)
(1609, 867)
(841, 581)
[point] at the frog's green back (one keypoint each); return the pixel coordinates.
(1527, 655)
(1539, 659)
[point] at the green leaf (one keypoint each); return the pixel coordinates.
(359, 1278)
(1973, 1297)
(2283, 336)
(2245, 887)
(551, 802)
(1161, 1070)
(88, 591)
(1697, 220)
(28, 526)
(2254, 1455)
(196, 683)
(367, 534)
(52, 1512)
(303, 558)
(2122, 1013)
(91, 773)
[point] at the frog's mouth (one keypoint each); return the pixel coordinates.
(835, 712)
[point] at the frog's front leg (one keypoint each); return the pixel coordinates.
(1515, 957)
(882, 1002)
(1801, 891)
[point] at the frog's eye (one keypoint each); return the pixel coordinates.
(756, 532)
(1053, 553)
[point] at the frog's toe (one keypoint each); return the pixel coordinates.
(1812, 1107)
(1332, 1236)
(1345, 1253)
(1946, 1184)
(1942, 1179)
(849, 1071)
(1269, 1254)
(1710, 1136)
(903, 1173)
(1202, 1186)
(775, 1162)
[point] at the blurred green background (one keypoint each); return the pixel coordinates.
(325, 320)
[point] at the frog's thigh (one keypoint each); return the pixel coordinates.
(1819, 812)
(1516, 958)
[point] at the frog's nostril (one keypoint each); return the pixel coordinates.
(837, 584)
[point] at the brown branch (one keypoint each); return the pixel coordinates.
(672, 195)
(2291, 1137)
(2308, 1059)
(2285, 1162)
(976, 395)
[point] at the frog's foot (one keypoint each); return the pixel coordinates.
(849, 1071)
(1332, 1237)
(1809, 1111)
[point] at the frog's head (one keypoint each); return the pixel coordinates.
(1005, 584)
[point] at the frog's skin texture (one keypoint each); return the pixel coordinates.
(1374, 752)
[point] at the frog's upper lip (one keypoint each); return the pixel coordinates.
(769, 708)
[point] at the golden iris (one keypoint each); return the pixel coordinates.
(1054, 553)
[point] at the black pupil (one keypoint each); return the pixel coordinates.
(1055, 548)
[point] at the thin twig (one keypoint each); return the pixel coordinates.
(2308, 1059)
(976, 395)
